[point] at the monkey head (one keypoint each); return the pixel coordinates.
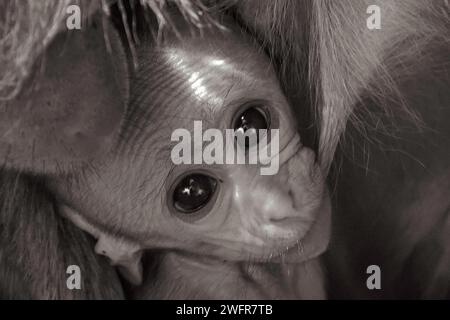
(137, 198)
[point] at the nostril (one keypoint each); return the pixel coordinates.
(277, 220)
(287, 228)
(290, 221)
(291, 197)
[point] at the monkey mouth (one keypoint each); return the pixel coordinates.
(312, 245)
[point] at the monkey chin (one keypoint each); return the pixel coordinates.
(181, 275)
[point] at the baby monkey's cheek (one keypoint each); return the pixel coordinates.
(270, 214)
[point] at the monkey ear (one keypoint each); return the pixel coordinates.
(70, 109)
(124, 255)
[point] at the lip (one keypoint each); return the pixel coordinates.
(314, 243)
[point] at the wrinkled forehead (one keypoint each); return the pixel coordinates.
(196, 77)
(193, 78)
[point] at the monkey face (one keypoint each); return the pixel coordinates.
(230, 211)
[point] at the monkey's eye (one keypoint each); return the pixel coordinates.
(193, 192)
(249, 122)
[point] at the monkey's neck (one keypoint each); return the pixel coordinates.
(173, 275)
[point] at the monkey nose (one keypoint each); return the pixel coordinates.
(278, 217)
(282, 207)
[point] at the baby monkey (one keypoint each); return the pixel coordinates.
(219, 230)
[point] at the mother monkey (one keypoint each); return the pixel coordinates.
(373, 104)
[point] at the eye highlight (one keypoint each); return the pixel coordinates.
(250, 121)
(193, 192)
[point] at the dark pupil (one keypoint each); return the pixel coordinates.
(193, 192)
(252, 118)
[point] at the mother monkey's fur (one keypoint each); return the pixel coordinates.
(374, 104)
